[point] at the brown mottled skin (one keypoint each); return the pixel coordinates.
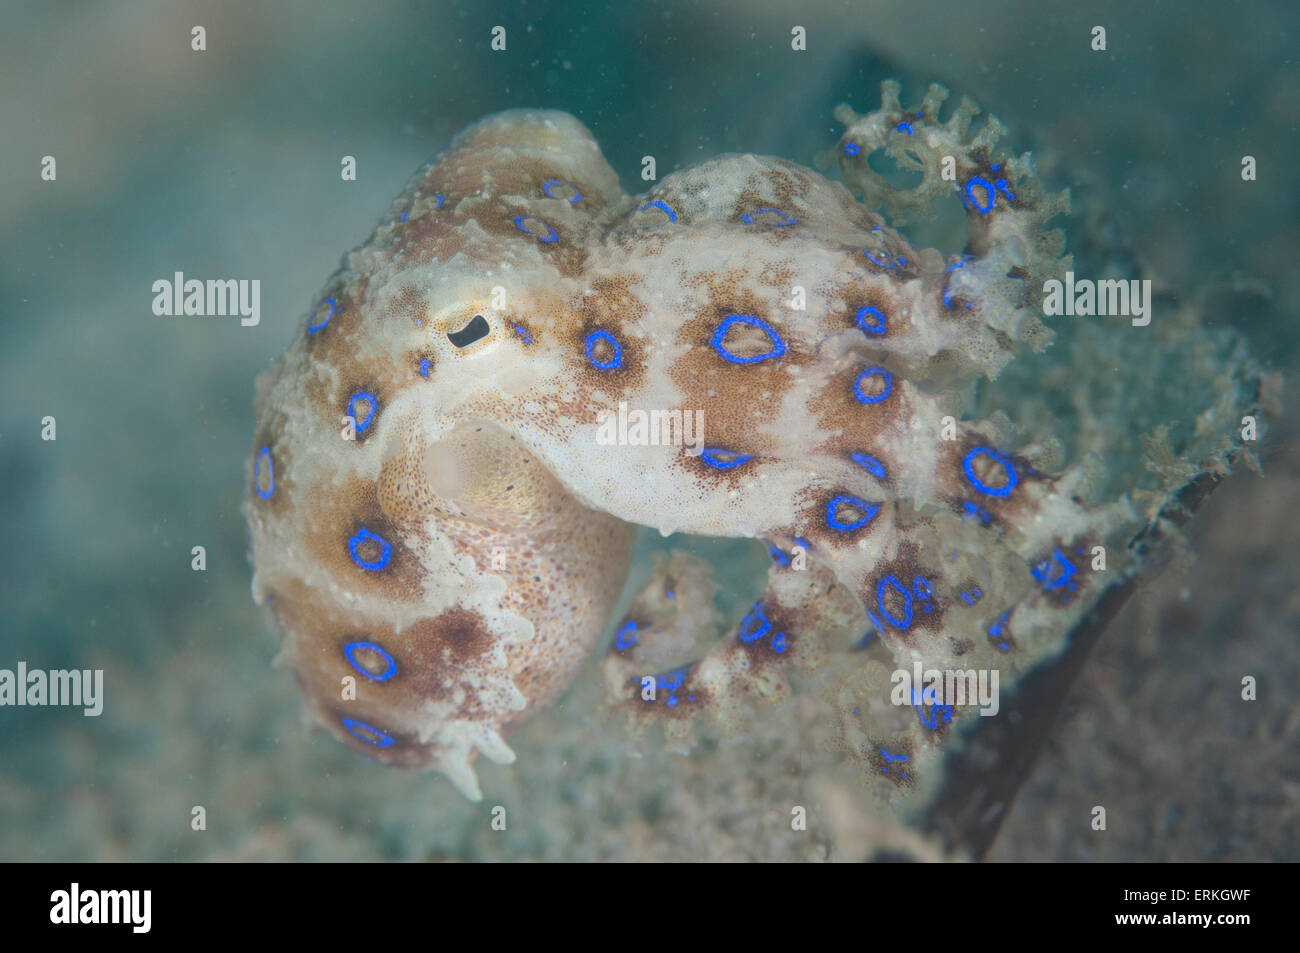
(508, 524)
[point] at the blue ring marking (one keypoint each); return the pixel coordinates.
(872, 371)
(1043, 572)
(891, 581)
(625, 638)
(786, 218)
(868, 510)
(424, 367)
(351, 648)
(851, 149)
(803, 543)
(947, 293)
(365, 536)
(778, 642)
(614, 362)
(270, 473)
(369, 399)
(880, 264)
(551, 236)
(877, 327)
(904, 127)
(933, 723)
(870, 464)
(519, 329)
(377, 738)
(755, 615)
(918, 699)
(922, 592)
(968, 468)
(995, 631)
(312, 329)
(989, 194)
(778, 557)
(710, 456)
(438, 195)
(778, 346)
(663, 207)
(577, 196)
(671, 681)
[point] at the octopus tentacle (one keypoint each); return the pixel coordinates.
(524, 363)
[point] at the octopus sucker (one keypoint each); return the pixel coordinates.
(524, 364)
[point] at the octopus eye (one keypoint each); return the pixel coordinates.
(476, 329)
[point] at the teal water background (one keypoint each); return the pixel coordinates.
(226, 163)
